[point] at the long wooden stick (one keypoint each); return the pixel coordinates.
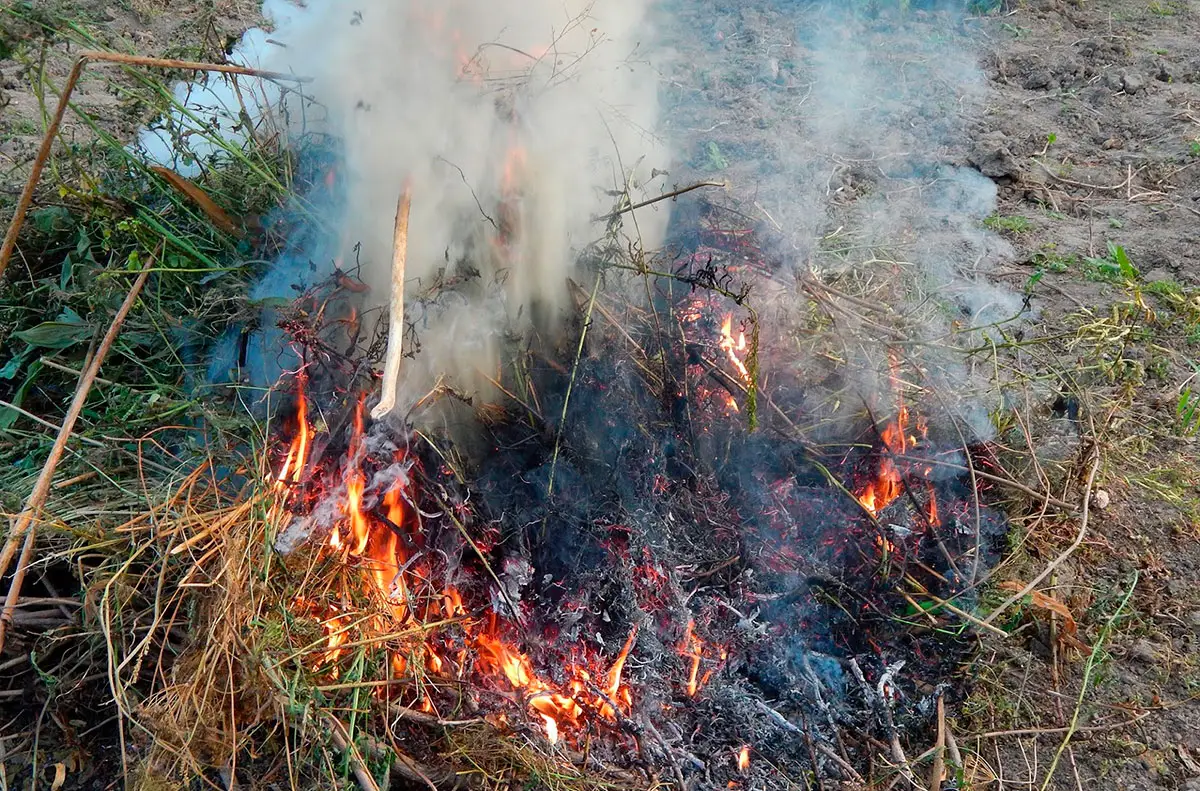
(64, 98)
(25, 522)
(391, 365)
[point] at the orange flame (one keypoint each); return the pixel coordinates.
(693, 648)
(494, 655)
(733, 348)
(297, 455)
(743, 759)
(392, 576)
(615, 691)
(888, 484)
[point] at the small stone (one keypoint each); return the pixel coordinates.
(992, 156)
(1101, 499)
(1191, 785)
(1132, 83)
(1143, 651)
(1158, 276)
(1194, 618)
(1111, 143)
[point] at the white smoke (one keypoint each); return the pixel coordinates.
(516, 122)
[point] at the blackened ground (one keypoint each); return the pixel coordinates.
(652, 504)
(1087, 125)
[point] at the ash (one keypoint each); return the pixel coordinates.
(618, 488)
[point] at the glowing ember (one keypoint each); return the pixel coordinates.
(743, 759)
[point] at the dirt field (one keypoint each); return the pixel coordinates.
(1086, 118)
(1092, 124)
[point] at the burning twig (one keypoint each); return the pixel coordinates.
(25, 522)
(391, 365)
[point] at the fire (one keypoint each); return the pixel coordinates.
(743, 759)
(496, 656)
(888, 483)
(693, 647)
(934, 519)
(297, 455)
(400, 581)
(615, 691)
(734, 348)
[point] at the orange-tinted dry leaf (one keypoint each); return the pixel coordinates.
(351, 284)
(1045, 601)
(200, 198)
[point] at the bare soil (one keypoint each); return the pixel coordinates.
(1092, 113)
(39, 40)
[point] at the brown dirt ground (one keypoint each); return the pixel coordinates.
(37, 50)
(1117, 85)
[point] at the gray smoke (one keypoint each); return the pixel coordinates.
(849, 125)
(516, 122)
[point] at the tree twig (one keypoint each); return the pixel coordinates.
(663, 197)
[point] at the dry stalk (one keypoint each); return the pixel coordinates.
(939, 751)
(395, 339)
(1062, 558)
(24, 523)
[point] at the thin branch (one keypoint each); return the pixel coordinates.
(663, 197)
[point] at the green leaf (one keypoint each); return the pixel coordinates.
(68, 268)
(13, 366)
(1117, 253)
(55, 334)
(9, 416)
(1037, 275)
(51, 218)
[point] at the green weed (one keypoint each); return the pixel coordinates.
(1187, 413)
(1014, 224)
(1115, 267)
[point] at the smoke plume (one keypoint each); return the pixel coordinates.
(517, 122)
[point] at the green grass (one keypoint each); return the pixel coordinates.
(1014, 224)
(1055, 262)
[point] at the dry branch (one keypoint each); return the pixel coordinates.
(391, 364)
(25, 522)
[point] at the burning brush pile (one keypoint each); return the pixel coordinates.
(653, 555)
(655, 525)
